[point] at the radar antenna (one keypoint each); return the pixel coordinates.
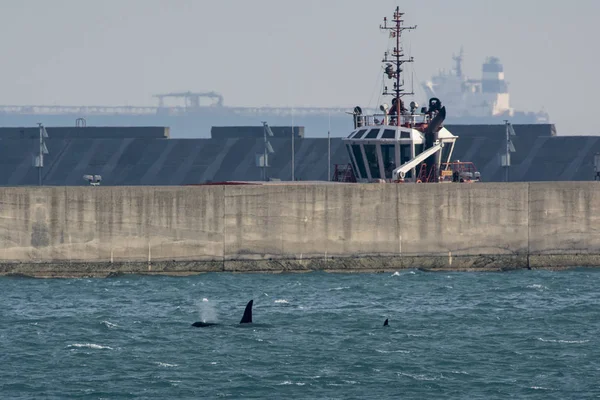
(393, 68)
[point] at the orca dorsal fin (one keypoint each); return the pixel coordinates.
(385, 323)
(247, 318)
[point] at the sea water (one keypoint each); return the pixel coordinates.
(525, 334)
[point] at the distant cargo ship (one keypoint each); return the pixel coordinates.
(471, 102)
(484, 101)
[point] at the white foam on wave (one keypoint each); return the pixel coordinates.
(291, 383)
(204, 299)
(90, 346)
(537, 286)
(563, 341)
(396, 273)
(416, 335)
(460, 372)
(166, 365)
(109, 324)
(392, 351)
(340, 288)
(282, 301)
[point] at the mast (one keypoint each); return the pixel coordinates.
(458, 60)
(396, 60)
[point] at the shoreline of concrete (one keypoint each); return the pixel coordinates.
(351, 265)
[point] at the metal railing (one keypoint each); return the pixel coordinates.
(383, 119)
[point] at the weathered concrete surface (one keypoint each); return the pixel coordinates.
(134, 224)
(463, 220)
(310, 221)
(102, 231)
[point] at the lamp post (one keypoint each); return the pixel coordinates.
(39, 159)
(329, 149)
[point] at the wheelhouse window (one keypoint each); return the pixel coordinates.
(371, 153)
(359, 160)
(359, 134)
(388, 153)
(372, 134)
(446, 152)
(389, 134)
(405, 156)
(419, 149)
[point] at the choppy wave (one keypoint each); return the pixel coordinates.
(136, 337)
(563, 341)
(110, 324)
(392, 351)
(90, 346)
(537, 286)
(166, 365)
(285, 383)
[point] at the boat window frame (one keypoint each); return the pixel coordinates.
(370, 134)
(391, 152)
(387, 131)
(359, 134)
(359, 160)
(353, 161)
(372, 163)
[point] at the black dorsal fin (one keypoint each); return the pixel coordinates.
(247, 318)
(385, 323)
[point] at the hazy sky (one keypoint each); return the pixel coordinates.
(292, 53)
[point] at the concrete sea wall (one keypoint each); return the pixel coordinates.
(99, 231)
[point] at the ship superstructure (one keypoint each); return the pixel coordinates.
(403, 144)
(485, 100)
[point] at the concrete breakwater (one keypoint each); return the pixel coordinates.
(99, 231)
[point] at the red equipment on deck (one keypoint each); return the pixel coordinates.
(343, 173)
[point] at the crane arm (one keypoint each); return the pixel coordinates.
(401, 171)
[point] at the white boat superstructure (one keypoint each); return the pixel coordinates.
(400, 144)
